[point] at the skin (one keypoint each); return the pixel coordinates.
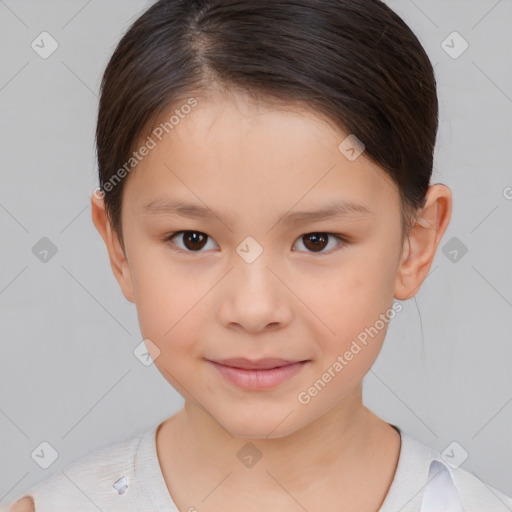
(251, 163)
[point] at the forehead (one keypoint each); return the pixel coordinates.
(256, 154)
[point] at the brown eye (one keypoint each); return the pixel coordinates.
(316, 242)
(193, 241)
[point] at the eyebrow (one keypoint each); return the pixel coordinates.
(332, 210)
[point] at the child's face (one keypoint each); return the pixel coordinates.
(253, 166)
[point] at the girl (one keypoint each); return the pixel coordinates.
(265, 201)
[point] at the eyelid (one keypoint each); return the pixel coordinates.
(342, 239)
(342, 242)
(167, 238)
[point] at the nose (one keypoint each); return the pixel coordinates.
(254, 298)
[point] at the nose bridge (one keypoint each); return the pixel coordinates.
(253, 296)
(253, 275)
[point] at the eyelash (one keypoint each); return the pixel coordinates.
(343, 241)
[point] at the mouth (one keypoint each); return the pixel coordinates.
(257, 374)
(257, 364)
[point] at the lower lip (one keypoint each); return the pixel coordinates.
(258, 379)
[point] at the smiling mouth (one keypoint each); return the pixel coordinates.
(257, 375)
(257, 364)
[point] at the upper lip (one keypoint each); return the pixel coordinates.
(256, 364)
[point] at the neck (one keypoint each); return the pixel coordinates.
(347, 448)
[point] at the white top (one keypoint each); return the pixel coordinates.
(126, 476)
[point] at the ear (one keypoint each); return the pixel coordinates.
(419, 250)
(118, 260)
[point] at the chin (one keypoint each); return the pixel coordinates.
(264, 433)
(260, 426)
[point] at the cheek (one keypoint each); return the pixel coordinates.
(354, 307)
(163, 294)
(168, 312)
(354, 294)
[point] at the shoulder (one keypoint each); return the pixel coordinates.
(86, 484)
(475, 495)
(25, 504)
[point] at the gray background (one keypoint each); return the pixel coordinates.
(68, 374)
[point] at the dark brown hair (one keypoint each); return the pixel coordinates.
(355, 62)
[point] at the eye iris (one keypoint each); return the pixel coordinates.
(195, 240)
(198, 240)
(319, 241)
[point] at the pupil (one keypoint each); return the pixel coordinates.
(319, 240)
(197, 240)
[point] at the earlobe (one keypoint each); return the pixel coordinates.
(118, 260)
(420, 248)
